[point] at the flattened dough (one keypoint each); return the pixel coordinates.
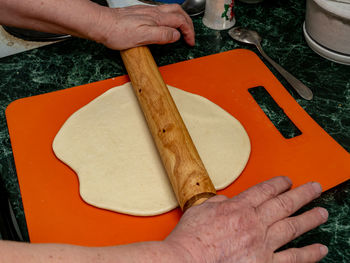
(108, 144)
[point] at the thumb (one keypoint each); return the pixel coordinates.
(160, 35)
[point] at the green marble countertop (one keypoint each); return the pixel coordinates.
(75, 62)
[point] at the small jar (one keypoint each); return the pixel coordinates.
(219, 14)
(170, 1)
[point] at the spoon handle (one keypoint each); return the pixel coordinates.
(299, 87)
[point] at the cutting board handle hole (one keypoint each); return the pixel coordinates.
(274, 112)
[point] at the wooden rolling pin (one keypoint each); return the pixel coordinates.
(185, 169)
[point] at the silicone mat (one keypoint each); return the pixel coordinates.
(53, 208)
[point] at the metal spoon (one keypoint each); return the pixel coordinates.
(252, 37)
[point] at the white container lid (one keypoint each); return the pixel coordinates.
(342, 1)
(337, 7)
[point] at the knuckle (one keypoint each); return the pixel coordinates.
(267, 189)
(180, 20)
(170, 8)
(175, 7)
(223, 209)
(157, 19)
(158, 8)
(286, 203)
(292, 256)
(165, 35)
(292, 228)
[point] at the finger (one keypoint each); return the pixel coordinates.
(290, 228)
(171, 8)
(175, 8)
(308, 254)
(176, 20)
(173, 16)
(287, 203)
(159, 35)
(157, 12)
(264, 191)
(165, 15)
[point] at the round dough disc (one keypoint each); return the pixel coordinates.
(108, 144)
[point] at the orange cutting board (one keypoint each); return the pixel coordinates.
(56, 213)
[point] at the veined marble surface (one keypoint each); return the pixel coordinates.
(76, 62)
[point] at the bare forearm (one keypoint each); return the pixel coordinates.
(78, 17)
(116, 28)
(52, 253)
(250, 227)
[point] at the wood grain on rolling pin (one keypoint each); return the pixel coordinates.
(188, 176)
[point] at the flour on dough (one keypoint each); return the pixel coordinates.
(108, 144)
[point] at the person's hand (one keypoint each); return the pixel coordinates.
(252, 226)
(122, 28)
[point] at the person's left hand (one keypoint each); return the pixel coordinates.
(123, 28)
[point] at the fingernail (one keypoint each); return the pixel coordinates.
(317, 187)
(288, 179)
(324, 250)
(323, 212)
(176, 35)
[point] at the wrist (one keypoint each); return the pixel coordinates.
(178, 252)
(100, 24)
(191, 246)
(147, 252)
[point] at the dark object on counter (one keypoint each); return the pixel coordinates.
(9, 229)
(32, 35)
(191, 7)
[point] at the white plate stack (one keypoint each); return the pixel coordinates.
(327, 29)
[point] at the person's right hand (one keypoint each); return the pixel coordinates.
(251, 226)
(123, 28)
